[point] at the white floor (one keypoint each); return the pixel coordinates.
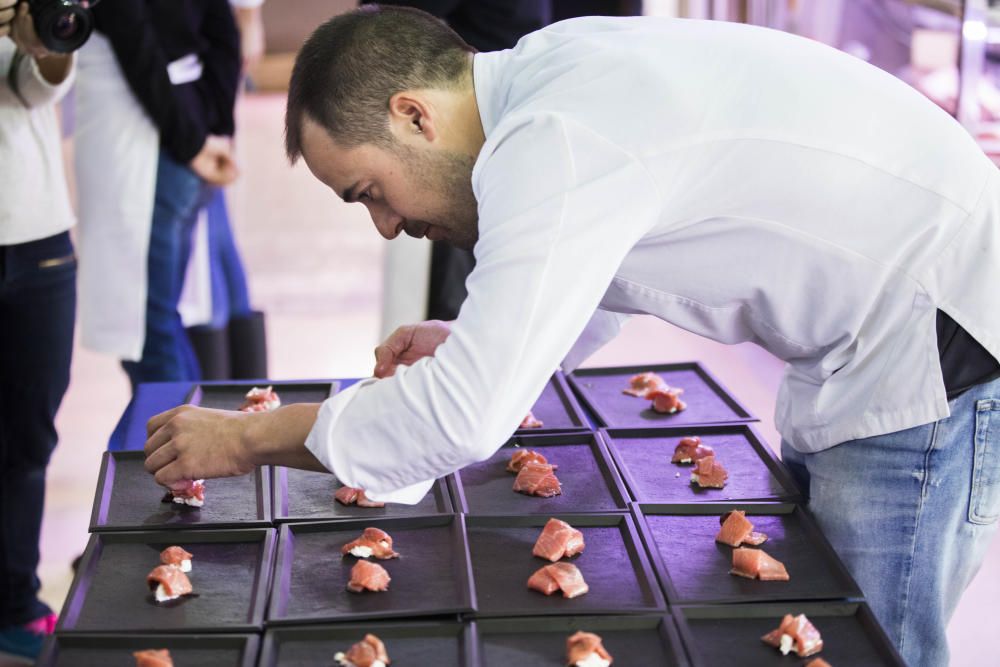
(315, 268)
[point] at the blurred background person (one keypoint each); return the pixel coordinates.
(37, 309)
(140, 192)
(228, 335)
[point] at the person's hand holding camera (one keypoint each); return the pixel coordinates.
(54, 67)
(214, 163)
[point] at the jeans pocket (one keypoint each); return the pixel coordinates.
(984, 503)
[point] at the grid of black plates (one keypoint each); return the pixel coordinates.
(270, 580)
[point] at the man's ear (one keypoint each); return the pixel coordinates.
(412, 118)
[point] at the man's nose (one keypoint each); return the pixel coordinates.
(388, 223)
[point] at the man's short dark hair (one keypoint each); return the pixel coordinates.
(351, 66)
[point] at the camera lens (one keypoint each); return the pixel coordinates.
(66, 26)
(62, 25)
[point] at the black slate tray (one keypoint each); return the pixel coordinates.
(128, 498)
(557, 408)
(116, 650)
(230, 395)
(431, 576)
(694, 569)
(708, 402)
(411, 644)
(755, 473)
(632, 641)
(589, 480)
(614, 565)
(301, 495)
(730, 635)
(231, 573)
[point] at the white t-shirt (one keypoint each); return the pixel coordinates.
(741, 183)
(34, 198)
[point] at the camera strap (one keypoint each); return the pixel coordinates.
(12, 78)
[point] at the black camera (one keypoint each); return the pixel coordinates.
(62, 25)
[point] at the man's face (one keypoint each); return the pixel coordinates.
(419, 191)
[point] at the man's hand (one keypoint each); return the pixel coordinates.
(407, 344)
(215, 163)
(199, 443)
(196, 443)
(8, 9)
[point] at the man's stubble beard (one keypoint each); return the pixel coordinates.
(449, 175)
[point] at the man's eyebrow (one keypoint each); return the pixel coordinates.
(350, 196)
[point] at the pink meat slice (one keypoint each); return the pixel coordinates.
(756, 564)
(174, 556)
(640, 385)
(569, 578)
(153, 658)
(347, 495)
(710, 473)
(520, 457)
(690, 449)
(174, 581)
(581, 645)
(368, 576)
(530, 421)
(379, 541)
(667, 400)
(537, 479)
(806, 639)
(558, 540)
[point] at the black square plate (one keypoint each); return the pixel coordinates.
(128, 498)
(230, 576)
(412, 644)
(301, 495)
(632, 641)
(589, 480)
(230, 395)
(557, 409)
(613, 564)
(729, 635)
(116, 650)
(707, 401)
(643, 457)
(430, 577)
(694, 569)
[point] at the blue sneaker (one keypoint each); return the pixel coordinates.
(24, 642)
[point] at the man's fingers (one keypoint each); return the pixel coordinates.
(161, 457)
(160, 438)
(171, 476)
(385, 364)
(157, 421)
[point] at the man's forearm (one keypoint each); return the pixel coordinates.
(281, 438)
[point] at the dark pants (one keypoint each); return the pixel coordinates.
(167, 354)
(37, 311)
(450, 266)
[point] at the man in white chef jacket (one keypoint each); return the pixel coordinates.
(741, 183)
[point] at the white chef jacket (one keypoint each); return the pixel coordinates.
(741, 183)
(34, 198)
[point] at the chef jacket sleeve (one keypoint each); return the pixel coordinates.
(559, 209)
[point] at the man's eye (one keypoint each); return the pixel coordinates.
(364, 195)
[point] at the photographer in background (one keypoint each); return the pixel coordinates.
(37, 307)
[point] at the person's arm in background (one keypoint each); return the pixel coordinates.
(41, 77)
(251, 25)
(220, 79)
(129, 27)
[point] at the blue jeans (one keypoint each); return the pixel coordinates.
(230, 297)
(167, 354)
(912, 514)
(37, 311)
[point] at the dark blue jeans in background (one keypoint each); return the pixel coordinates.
(37, 312)
(167, 355)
